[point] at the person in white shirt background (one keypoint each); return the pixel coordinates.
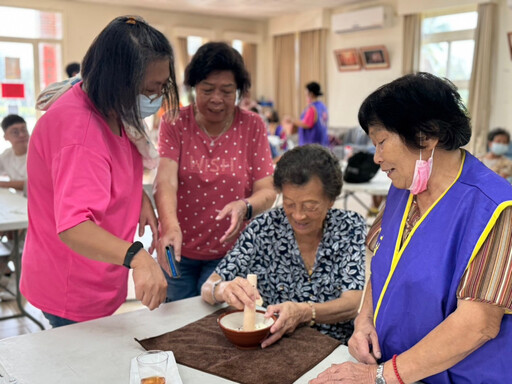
(13, 165)
(13, 161)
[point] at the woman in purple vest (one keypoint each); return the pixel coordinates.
(438, 304)
(312, 126)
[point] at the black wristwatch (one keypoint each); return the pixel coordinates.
(248, 214)
(380, 375)
(131, 252)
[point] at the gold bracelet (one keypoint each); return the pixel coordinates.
(313, 314)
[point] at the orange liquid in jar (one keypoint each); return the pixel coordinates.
(153, 380)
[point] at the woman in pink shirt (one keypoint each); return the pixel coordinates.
(215, 170)
(85, 195)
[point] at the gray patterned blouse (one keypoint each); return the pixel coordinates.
(267, 248)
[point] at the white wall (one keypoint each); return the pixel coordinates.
(345, 90)
(82, 22)
(501, 109)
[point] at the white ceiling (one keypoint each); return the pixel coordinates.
(249, 9)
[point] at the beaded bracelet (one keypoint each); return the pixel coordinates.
(313, 314)
(396, 371)
(215, 302)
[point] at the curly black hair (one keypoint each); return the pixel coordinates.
(298, 165)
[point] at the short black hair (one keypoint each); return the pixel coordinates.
(497, 131)
(298, 165)
(419, 105)
(10, 120)
(314, 88)
(114, 67)
(72, 68)
(218, 56)
(274, 116)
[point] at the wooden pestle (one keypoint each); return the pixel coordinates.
(250, 313)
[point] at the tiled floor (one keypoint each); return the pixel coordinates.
(20, 326)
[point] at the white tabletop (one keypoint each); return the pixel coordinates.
(378, 185)
(100, 351)
(13, 210)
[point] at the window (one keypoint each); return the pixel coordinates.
(193, 44)
(30, 59)
(238, 45)
(447, 46)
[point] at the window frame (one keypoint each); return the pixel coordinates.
(448, 37)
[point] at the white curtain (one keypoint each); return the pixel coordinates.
(479, 104)
(412, 41)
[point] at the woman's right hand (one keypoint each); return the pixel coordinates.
(238, 293)
(149, 280)
(364, 343)
(172, 237)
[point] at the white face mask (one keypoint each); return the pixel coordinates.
(498, 148)
(149, 105)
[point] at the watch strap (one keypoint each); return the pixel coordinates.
(131, 252)
(379, 379)
(248, 213)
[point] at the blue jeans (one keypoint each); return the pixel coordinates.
(56, 321)
(193, 274)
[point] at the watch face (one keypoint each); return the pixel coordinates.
(380, 380)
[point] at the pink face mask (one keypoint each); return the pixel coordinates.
(422, 172)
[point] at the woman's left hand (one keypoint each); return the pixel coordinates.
(347, 373)
(236, 212)
(148, 217)
(290, 315)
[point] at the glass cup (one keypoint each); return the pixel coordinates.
(152, 367)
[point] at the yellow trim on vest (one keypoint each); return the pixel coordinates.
(400, 250)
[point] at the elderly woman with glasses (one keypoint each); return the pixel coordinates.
(308, 256)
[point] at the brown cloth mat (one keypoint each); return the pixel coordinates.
(203, 346)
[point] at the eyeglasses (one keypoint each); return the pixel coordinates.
(308, 207)
(155, 95)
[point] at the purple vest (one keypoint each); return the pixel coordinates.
(317, 133)
(421, 292)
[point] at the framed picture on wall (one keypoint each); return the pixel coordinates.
(509, 35)
(347, 59)
(375, 57)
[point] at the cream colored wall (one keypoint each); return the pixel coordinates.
(345, 90)
(83, 21)
(501, 108)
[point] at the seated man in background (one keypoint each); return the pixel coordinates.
(308, 256)
(13, 161)
(72, 69)
(498, 143)
(13, 164)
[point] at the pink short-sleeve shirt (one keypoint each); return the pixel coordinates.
(78, 170)
(213, 174)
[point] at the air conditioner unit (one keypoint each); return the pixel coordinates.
(365, 18)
